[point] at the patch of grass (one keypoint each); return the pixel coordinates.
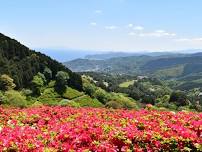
(87, 101)
(71, 93)
(118, 100)
(66, 102)
(49, 97)
(126, 84)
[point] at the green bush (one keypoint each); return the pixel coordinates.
(61, 81)
(118, 100)
(89, 89)
(160, 108)
(51, 84)
(113, 104)
(185, 108)
(15, 98)
(73, 104)
(179, 98)
(148, 99)
(38, 82)
(49, 97)
(6, 83)
(26, 92)
(164, 99)
(1, 97)
(50, 93)
(48, 74)
(63, 102)
(161, 104)
(87, 101)
(116, 104)
(49, 101)
(37, 104)
(30, 100)
(71, 93)
(129, 105)
(66, 102)
(101, 95)
(171, 106)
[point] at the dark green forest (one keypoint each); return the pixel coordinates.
(22, 64)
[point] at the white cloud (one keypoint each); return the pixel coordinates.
(93, 23)
(130, 25)
(160, 31)
(138, 28)
(157, 33)
(190, 40)
(182, 40)
(112, 27)
(98, 11)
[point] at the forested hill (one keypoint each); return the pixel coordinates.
(21, 63)
(163, 63)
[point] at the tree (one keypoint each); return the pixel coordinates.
(179, 98)
(48, 74)
(61, 81)
(1, 97)
(38, 82)
(89, 89)
(101, 95)
(113, 104)
(148, 99)
(22, 64)
(163, 99)
(135, 93)
(6, 83)
(14, 98)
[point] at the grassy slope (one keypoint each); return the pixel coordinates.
(51, 97)
(71, 93)
(87, 101)
(126, 84)
(170, 72)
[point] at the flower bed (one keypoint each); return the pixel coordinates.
(91, 129)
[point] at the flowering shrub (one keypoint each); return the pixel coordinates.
(51, 129)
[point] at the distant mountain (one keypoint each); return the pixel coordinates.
(127, 63)
(104, 56)
(109, 55)
(196, 54)
(22, 64)
(186, 68)
(121, 65)
(163, 63)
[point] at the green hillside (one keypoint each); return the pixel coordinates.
(29, 78)
(22, 64)
(165, 67)
(121, 65)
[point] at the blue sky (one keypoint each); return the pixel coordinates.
(104, 25)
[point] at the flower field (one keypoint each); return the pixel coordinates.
(103, 130)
